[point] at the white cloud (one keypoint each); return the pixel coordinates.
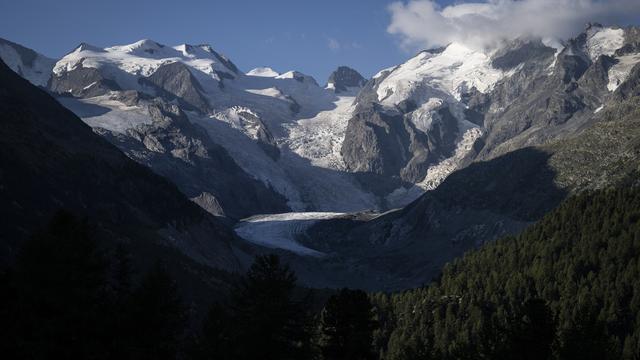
(424, 23)
(333, 44)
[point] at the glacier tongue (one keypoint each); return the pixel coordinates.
(280, 231)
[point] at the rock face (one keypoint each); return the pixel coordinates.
(175, 81)
(388, 143)
(417, 115)
(551, 97)
(414, 115)
(82, 82)
(51, 160)
(499, 137)
(344, 78)
(551, 131)
(209, 203)
(131, 105)
(174, 147)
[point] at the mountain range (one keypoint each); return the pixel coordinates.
(366, 183)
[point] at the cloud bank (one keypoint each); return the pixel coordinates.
(423, 23)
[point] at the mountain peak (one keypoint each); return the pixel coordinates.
(591, 25)
(206, 47)
(298, 76)
(344, 78)
(263, 72)
(87, 47)
(144, 45)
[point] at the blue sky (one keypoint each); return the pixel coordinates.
(310, 36)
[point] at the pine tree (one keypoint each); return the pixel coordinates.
(347, 326)
(270, 324)
(60, 281)
(586, 337)
(218, 334)
(533, 331)
(156, 317)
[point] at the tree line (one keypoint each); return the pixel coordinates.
(68, 297)
(567, 287)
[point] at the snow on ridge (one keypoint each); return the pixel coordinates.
(142, 58)
(263, 72)
(293, 74)
(119, 117)
(37, 73)
(446, 74)
(603, 41)
(621, 70)
(383, 71)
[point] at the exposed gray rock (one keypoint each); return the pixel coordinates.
(224, 60)
(538, 104)
(82, 82)
(209, 203)
(264, 137)
(521, 51)
(487, 199)
(345, 77)
(174, 147)
(631, 42)
(386, 142)
(175, 81)
(51, 160)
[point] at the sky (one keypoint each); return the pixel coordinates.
(313, 37)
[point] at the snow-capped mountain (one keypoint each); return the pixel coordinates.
(263, 142)
(283, 130)
(344, 79)
(421, 105)
(438, 104)
(27, 63)
(552, 126)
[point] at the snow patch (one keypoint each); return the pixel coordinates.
(37, 73)
(263, 72)
(603, 41)
(448, 74)
(126, 63)
(621, 70)
(422, 117)
(437, 173)
(103, 112)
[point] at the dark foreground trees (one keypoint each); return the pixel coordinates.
(566, 288)
(263, 319)
(66, 298)
(347, 323)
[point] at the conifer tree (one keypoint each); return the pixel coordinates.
(157, 318)
(270, 323)
(347, 325)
